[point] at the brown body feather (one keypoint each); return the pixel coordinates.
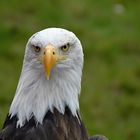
(56, 126)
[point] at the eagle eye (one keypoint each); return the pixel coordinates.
(65, 48)
(36, 48)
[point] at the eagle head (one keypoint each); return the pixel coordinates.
(50, 77)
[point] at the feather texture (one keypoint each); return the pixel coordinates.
(56, 126)
(35, 95)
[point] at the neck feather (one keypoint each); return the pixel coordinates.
(35, 95)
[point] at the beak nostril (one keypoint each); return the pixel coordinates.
(52, 53)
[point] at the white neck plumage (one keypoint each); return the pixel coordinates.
(35, 95)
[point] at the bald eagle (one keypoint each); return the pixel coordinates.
(46, 105)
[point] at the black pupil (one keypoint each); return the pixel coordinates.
(37, 48)
(65, 47)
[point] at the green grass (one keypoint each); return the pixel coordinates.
(111, 77)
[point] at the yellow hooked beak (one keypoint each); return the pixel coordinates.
(50, 59)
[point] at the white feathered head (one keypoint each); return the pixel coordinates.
(51, 75)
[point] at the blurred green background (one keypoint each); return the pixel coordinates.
(110, 33)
